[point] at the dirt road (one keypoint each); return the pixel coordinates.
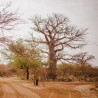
(16, 88)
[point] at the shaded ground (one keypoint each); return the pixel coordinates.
(15, 88)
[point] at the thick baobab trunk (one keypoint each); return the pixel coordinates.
(27, 74)
(52, 62)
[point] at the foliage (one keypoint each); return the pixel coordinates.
(24, 55)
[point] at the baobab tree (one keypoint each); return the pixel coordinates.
(82, 59)
(84, 62)
(8, 20)
(57, 34)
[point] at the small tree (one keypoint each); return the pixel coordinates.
(24, 56)
(20, 63)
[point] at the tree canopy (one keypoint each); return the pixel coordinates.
(24, 55)
(57, 34)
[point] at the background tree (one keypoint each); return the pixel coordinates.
(83, 60)
(57, 34)
(8, 20)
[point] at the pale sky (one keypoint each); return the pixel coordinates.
(82, 13)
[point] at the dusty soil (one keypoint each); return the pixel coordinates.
(16, 88)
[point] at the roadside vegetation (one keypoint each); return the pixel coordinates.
(7, 70)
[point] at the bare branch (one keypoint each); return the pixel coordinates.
(8, 20)
(82, 58)
(44, 52)
(60, 49)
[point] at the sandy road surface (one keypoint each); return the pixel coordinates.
(14, 89)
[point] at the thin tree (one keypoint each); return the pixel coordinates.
(57, 34)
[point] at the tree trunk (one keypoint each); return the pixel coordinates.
(51, 71)
(35, 79)
(27, 74)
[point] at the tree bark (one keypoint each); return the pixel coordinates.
(52, 62)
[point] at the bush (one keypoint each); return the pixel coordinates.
(6, 70)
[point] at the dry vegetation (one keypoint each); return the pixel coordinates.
(6, 70)
(68, 72)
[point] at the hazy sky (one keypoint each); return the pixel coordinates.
(82, 13)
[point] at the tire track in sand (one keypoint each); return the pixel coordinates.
(13, 90)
